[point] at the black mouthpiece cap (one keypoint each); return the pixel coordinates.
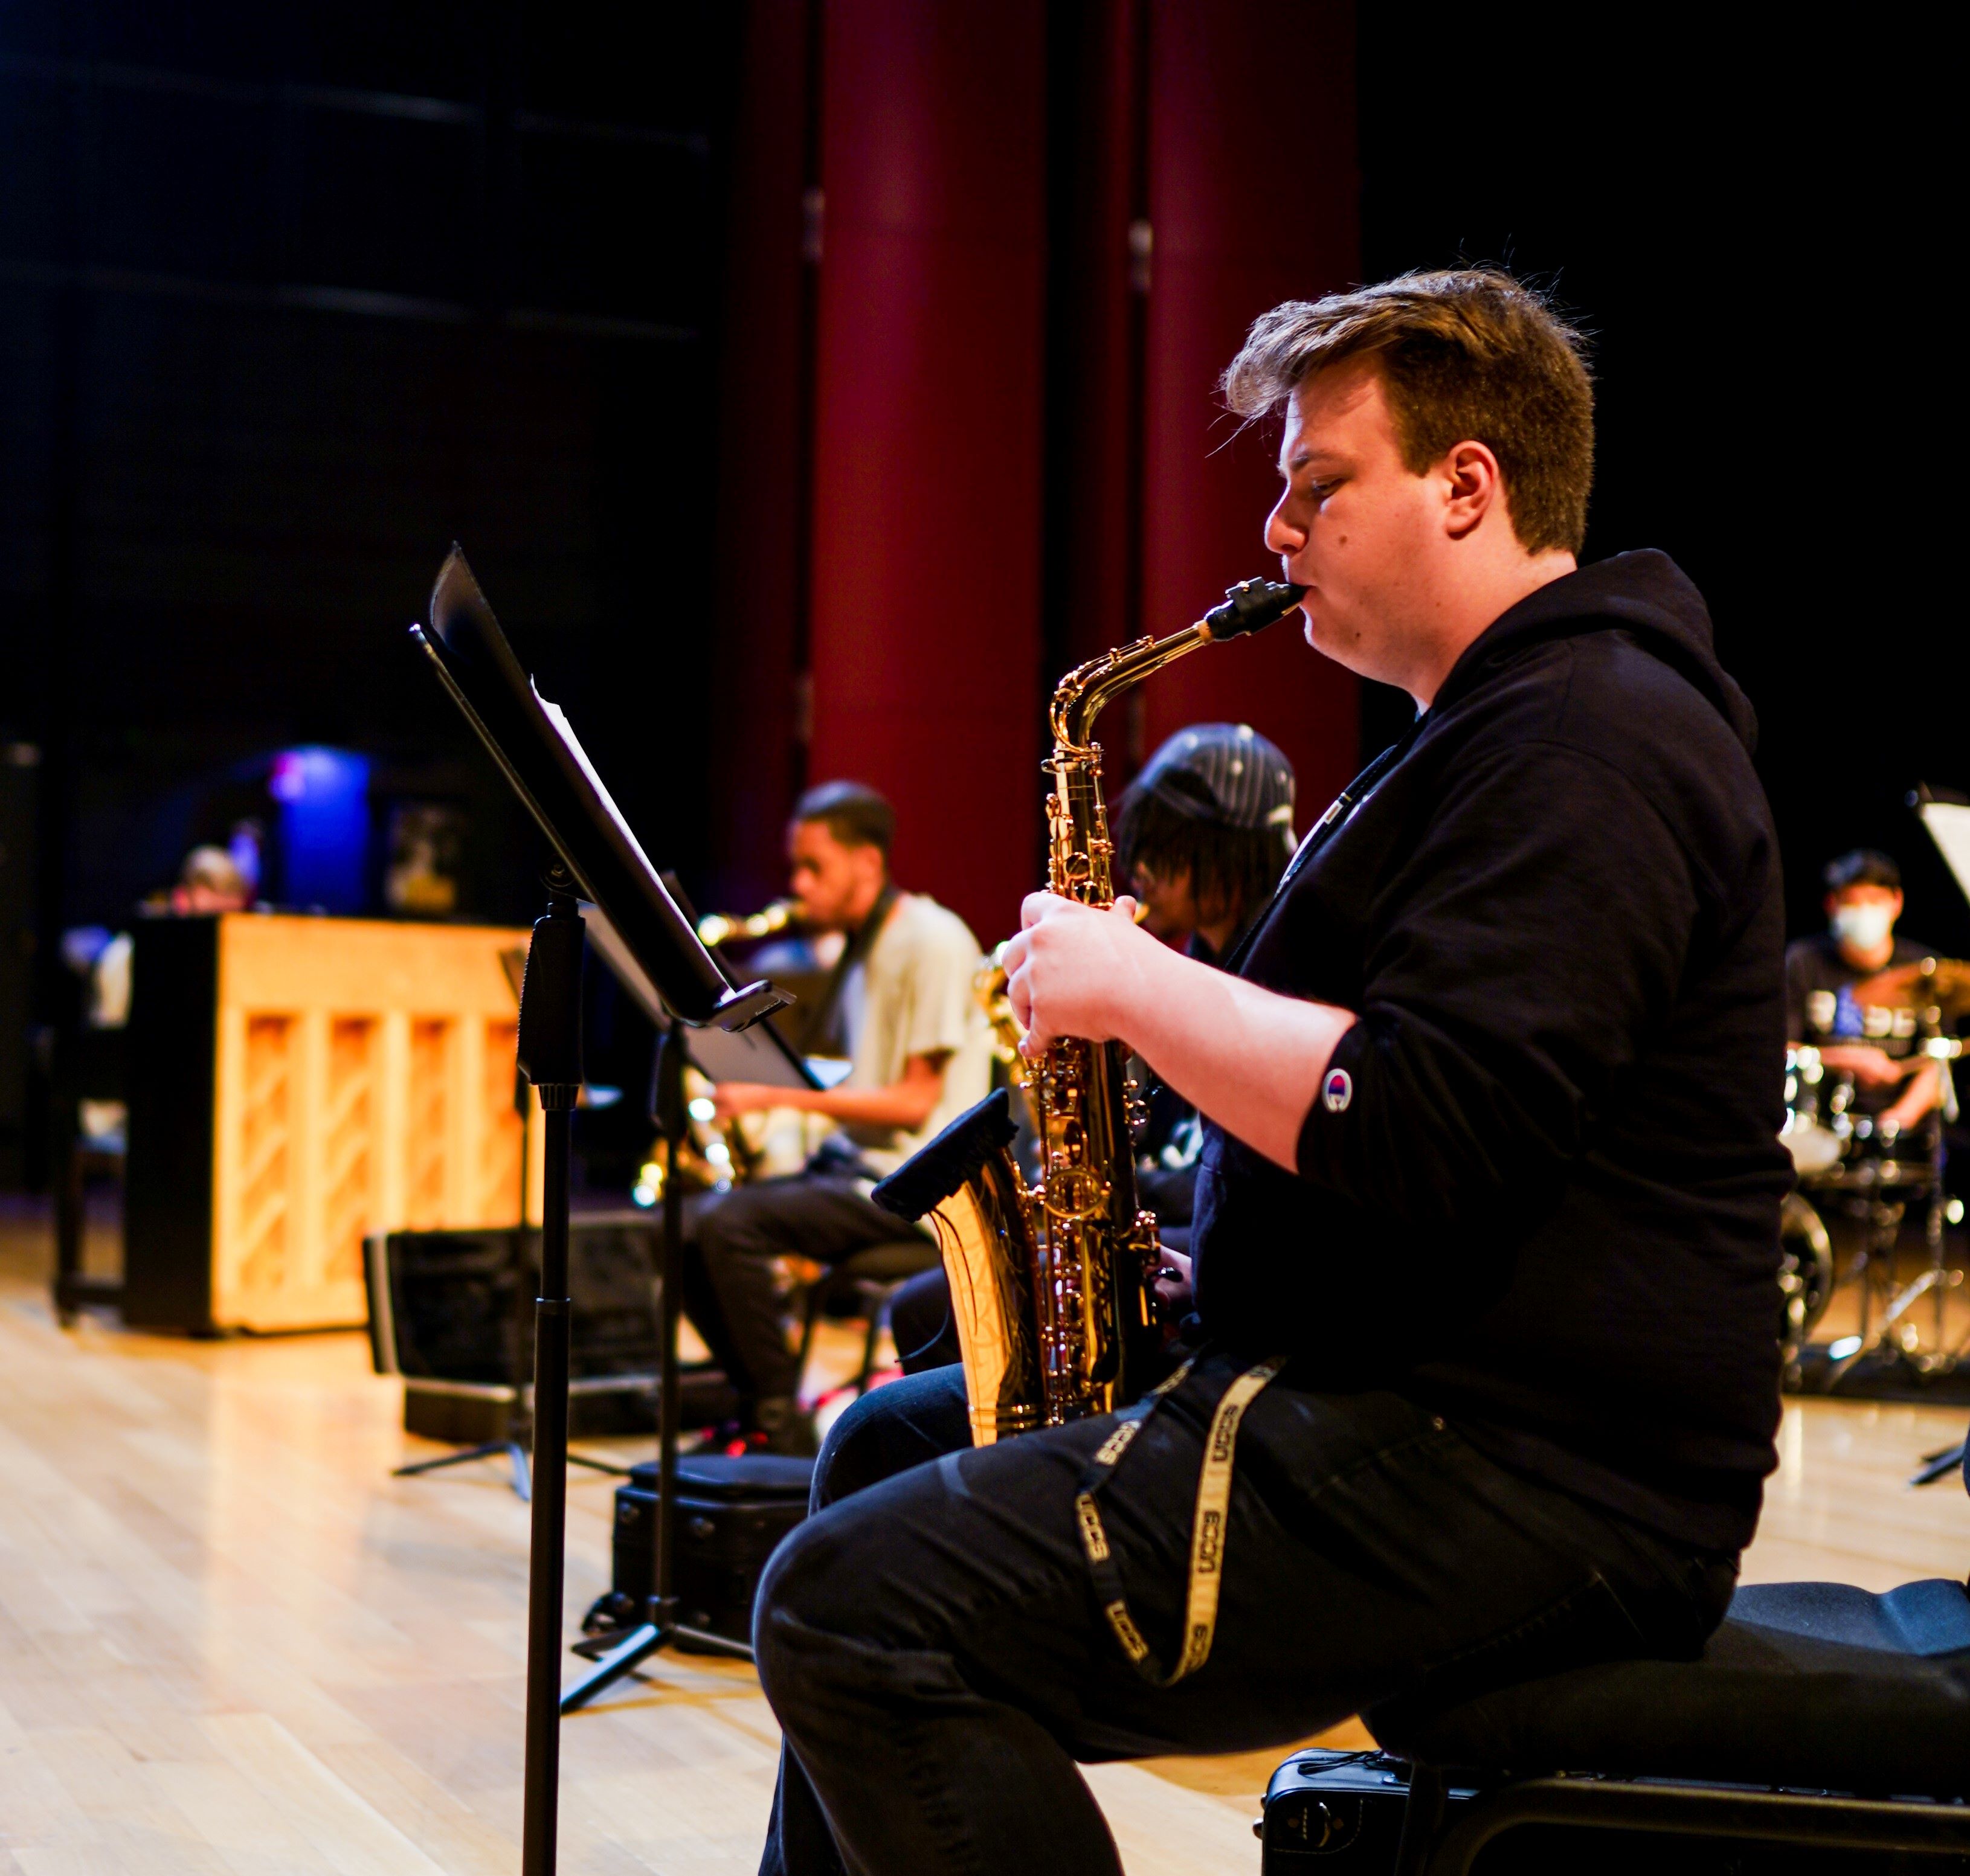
(1251, 606)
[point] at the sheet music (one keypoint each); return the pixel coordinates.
(565, 730)
(1948, 826)
(757, 1054)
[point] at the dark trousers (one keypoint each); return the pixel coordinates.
(930, 1641)
(731, 1292)
(920, 1322)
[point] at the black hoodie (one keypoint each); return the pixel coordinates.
(1539, 1189)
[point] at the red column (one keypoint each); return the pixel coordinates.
(1254, 199)
(763, 494)
(926, 548)
(1096, 329)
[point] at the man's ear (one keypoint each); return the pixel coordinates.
(1473, 486)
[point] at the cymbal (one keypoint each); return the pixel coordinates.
(1928, 982)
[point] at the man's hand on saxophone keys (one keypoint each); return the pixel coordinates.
(1248, 1058)
(1076, 971)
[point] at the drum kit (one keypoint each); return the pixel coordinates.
(1858, 1172)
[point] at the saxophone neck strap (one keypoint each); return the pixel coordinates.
(1317, 835)
(1207, 1525)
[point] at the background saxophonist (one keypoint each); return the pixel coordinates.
(920, 1056)
(1491, 1083)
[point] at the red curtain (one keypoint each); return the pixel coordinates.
(1254, 199)
(1045, 231)
(927, 513)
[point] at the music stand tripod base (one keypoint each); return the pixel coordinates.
(523, 1483)
(658, 1630)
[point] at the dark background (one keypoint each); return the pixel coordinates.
(1746, 222)
(292, 297)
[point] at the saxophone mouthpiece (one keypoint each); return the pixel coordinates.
(1251, 606)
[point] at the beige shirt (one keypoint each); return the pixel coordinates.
(913, 995)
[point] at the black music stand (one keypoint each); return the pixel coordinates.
(755, 1054)
(598, 859)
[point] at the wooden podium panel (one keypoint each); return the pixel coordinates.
(298, 1083)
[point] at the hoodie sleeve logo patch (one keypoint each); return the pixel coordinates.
(1337, 1090)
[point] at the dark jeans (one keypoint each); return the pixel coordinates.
(929, 1641)
(730, 1291)
(920, 1322)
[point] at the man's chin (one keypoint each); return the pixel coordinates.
(1345, 648)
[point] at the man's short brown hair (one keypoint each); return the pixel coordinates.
(1469, 355)
(851, 812)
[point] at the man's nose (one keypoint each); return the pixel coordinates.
(1281, 537)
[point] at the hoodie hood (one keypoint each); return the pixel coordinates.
(1645, 594)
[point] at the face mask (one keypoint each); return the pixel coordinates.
(1862, 927)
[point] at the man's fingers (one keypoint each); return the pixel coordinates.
(1019, 994)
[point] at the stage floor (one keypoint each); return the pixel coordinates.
(230, 1642)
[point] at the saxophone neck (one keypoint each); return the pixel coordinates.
(1086, 690)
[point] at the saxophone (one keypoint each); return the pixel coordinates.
(719, 928)
(1051, 1285)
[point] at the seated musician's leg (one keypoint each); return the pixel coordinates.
(920, 1322)
(737, 1308)
(887, 1431)
(934, 1650)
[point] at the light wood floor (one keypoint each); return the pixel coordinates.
(229, 1642)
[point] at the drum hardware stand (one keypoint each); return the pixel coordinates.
(660, 1626)
(1884, 1221)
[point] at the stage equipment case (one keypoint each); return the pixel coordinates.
(732, 1513)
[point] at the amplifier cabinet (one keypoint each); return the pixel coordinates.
(297, 1084)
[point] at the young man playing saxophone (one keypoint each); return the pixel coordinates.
(1492, 1104)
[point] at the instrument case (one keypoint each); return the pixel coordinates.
(1342, 1812)
(1338, 1811)
(732, 1511)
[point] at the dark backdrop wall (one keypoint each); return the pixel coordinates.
(1748, 223)
(291, 298)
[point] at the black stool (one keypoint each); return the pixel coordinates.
(1843, 1719)
(865, 1282)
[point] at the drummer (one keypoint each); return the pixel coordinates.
(1877, 1045)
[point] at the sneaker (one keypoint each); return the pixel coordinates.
(787, 1428)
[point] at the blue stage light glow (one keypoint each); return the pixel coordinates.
(324, 799)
